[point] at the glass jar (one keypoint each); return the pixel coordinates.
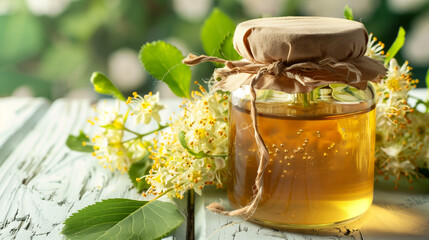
(321, 155)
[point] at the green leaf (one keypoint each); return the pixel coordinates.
(200, 154)
(164, 62)
(123, 219)
(21, 37)
(104, 86)
(348, 12)
(270, 94)
(184, 144)
(215, 28)
(75, 143)
(226, 49)
(139, 169)
(346, 93)
(396, 46)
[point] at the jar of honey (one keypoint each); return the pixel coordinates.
(314, 113)
(321, 155)
(302, 121)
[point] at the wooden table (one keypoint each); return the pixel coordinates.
(42, 182)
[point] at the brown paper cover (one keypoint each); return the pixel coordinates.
(297, 40)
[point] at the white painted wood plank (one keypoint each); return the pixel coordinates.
(393, 215)
(212, 226)
(42, 182)
(17, 117)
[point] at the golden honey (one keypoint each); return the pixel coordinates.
(321, 162)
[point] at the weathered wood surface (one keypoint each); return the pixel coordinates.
(393, 215)
(17, 117)
(42, 182)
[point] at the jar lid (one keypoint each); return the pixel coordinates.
(296, 55)
(300, 39)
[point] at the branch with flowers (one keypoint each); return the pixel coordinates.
(189, 151)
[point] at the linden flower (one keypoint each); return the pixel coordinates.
(398, 168)
(374, 49)
(393, 94)
(418, 138)
(145, 108)
(136, 149)
(401, 132)
(105, 113)
(392, 151)
(203, 125)
(113, 153)
(399, 80)
(109, 150)
(109, 147)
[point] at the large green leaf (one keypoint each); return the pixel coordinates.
(164, 62)
(226, 49)
(104, 86)
(75, 143)
(396, 46)
(139, 169)
(214, 31)
(348, 13)
(123, 219)
(21, 37)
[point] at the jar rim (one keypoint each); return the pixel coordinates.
(326, 100)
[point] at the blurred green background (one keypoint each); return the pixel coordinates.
(49, 48)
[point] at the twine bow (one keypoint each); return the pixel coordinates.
(305, 73)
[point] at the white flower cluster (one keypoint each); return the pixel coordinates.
(192, 153)
(374, 49)
(107, 140)
(145, 108)
(189, 155)
(110, 146)
(402, 132)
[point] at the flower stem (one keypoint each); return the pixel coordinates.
(303, 98)
(219, 155)
(160, 195)
(126, 115)
(140, 135)
(131, 131)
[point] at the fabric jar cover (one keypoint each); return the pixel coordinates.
(300, 44)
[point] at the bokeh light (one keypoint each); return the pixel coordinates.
(49, 48)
